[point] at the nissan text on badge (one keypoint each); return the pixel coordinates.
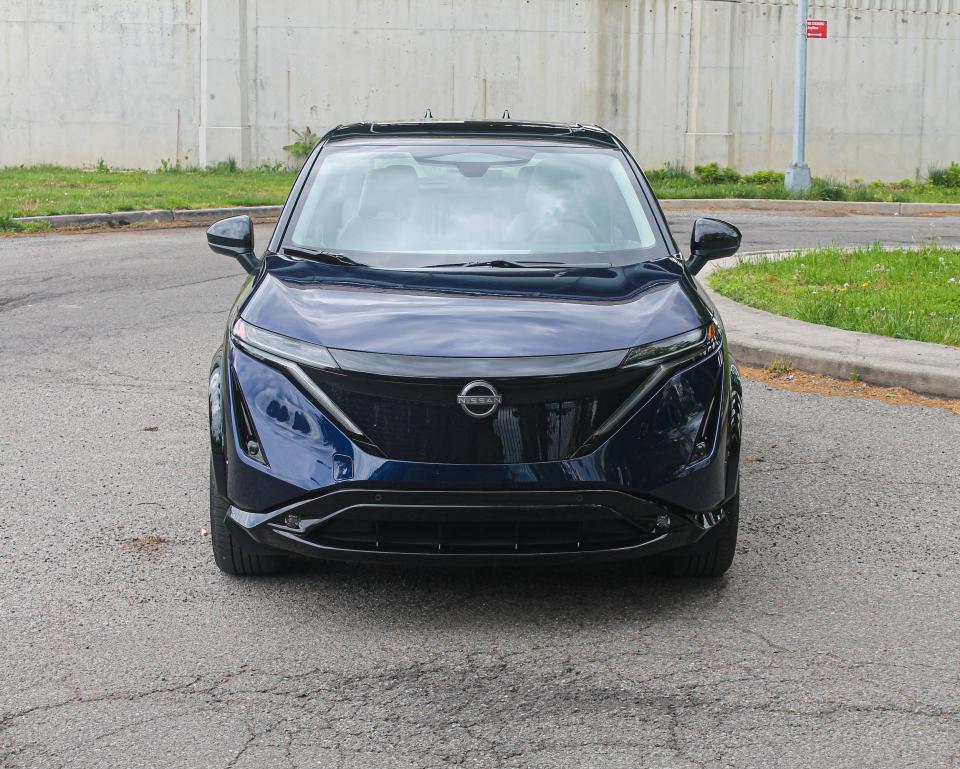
(473, 341)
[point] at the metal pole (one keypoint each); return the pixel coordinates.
(797, 178)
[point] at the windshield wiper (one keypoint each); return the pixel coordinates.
(320, 256)
(508, 264)
(504, 263)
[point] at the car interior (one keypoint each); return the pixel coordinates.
(474, 203)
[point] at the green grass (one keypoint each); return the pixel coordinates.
(904, 294)
(711, 181)
(40, 190)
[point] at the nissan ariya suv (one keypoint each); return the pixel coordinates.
(475, 342)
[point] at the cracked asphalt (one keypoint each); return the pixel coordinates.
(833, 642)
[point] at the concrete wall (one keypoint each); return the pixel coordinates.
(679, 80)
(81, 79)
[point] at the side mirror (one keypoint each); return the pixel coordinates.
(711, 239)
(234, 237)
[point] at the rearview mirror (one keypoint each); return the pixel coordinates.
(234, 237)
(711, 239)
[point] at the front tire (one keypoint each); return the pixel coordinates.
(713, 555)
(228, 552)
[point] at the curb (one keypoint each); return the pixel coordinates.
(925, 380)
(123, 218)
(210, 215)
(825, 207)
(758, 338)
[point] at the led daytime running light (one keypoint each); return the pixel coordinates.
(282, 346)
(704, 339)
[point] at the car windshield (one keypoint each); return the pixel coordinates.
(428, 204)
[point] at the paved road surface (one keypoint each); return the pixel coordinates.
(763, 231)
(834, 641)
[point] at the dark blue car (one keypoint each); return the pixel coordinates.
(473, 341)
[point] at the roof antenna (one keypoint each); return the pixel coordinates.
(506, 114)
(428, 114)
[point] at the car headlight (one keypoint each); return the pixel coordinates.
(282, 346)
(699, 341)
(286, 352)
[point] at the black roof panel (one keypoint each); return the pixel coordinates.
(515, 129)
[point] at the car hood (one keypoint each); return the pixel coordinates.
(488, 313)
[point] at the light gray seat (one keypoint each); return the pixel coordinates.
(384, 215)
(554, 198)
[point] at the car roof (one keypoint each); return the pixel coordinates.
(502, 129)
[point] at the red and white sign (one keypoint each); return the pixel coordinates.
(817, 29)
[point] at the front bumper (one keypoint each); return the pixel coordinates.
(315, 492)
(358, 524)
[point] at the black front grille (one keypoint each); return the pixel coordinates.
(512, 531)
(540, 419)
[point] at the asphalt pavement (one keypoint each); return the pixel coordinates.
(771, 231)
(833, 642)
